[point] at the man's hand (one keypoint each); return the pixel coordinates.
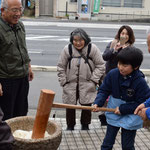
(1, 91)
(31, 74)
(139, 108)
(142, 114)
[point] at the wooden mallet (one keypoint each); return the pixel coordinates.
(42, 114)
(44, 108)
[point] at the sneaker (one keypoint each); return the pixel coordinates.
(70, 128)
(102, 119)
(85, 127)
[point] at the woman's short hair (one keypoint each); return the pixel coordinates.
(131, 55)
(81, 33)
(130, 33)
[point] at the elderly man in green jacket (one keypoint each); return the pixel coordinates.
(15, 68)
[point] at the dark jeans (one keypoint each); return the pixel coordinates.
(127, 138)
(71, 116)
(14, 101)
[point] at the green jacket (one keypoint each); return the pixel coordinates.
(14, 58)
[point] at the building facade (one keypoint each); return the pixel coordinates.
(96, 9)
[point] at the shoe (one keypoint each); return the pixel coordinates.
(102, 119)
(85, 127)
(70, 128)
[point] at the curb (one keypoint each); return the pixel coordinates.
(44, 68)
(54, 69)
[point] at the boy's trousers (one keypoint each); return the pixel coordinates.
(127, 138)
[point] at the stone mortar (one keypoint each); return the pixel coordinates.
(26, 123)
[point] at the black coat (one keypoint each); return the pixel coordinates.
(110, 57)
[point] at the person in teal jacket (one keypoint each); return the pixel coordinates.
(126, 88)
(143, 110)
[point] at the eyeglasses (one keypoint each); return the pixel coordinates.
(78, 41)
(15, 10)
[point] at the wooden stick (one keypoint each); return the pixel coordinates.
(42, 114)
(69, 106)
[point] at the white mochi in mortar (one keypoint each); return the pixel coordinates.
(25, 134)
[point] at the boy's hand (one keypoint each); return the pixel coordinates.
(139, 108)
(1, 91)
(117, 111)
(95, 108)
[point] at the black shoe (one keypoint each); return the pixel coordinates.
(70, 128)
(102, 119)
(85, 127)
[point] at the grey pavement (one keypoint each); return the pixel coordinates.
(77, 139)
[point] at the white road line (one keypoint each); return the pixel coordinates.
(83, 25)
(34, 52)
(66, 39)
(46, 30)
(40, 37)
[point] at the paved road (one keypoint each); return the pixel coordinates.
(46, 39)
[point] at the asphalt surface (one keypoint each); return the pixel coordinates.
(46, 78)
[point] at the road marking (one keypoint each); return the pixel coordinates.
(40, 37)
(84, 25)
(32, 51)
(66, 39)
(29, 29)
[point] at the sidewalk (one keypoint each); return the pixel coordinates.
(78, 139)
(93, 138)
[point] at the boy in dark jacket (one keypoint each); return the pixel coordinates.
(6, 138)
(126, 88)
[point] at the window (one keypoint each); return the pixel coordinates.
(73, 0)
(133, 3)
(113, 3)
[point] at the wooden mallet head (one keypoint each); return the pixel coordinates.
(43, 113)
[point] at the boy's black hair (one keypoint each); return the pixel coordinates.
(131, 55)
(80, 32)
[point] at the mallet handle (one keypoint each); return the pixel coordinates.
(69, 106)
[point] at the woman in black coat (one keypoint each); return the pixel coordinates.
(125, 37)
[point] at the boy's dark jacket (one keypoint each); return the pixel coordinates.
(133, 89)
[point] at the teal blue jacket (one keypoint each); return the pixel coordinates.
(147, 105)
